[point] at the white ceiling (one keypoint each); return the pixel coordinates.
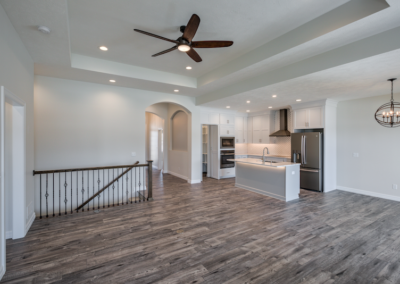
(79, 27)
(364, 78)
(111, 23)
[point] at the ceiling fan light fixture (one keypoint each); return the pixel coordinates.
(184, 48)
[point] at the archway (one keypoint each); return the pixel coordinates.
(177, 149)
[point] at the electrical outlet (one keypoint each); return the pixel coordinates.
(355, 155)
(394, 186)
(133, 154)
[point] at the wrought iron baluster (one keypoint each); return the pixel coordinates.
(144, 184)
(122, 178)
(113, 188)
(77, 190)
(117, 188)
(71, 193)
(53, 196)
(93, 190)
(98, 189)
(40, 196)
(59, 194)
(83, 190)
(88, 190)
(139, 186)
(108, 189)
(127, 188)
(47, 195)
(131, 185)
(135, 183)
(104, 194)
(65, 200)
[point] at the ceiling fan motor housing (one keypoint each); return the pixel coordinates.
(182, 29)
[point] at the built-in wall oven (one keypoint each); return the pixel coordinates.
(227, 142)
(225, 156)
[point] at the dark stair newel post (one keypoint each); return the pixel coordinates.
(150, 180)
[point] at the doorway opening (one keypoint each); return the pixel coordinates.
(155, 140)
(210, 151)
(13, 192)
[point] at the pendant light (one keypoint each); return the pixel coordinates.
(388, 115)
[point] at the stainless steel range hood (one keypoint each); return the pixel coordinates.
(283, 130)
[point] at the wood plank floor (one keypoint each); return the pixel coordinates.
(215, 233)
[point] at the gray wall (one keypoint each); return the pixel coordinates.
(378, 164)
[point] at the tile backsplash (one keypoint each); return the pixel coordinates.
(278, 146)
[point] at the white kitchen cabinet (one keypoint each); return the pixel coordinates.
(241, 129)
(260, 129)
(308, 118)
(227, 130)
(213, 118)
(227, 119)
(249, 130)
(227, 172)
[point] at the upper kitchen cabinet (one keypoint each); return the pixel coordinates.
(308, 118)
(227, 130)
(209, 117)
(249, 130)
(226, 119)
(241, 129)
(260, 129)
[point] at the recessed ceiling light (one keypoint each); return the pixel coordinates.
(228, 107)
(176, 91)
(248, 110)
(269, 107)
(248, 102)
(298, 100)
(189, 67)
(112, 81)
(274, 96)
(104, 48)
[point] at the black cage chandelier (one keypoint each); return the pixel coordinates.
(388, 115)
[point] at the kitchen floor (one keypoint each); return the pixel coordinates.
(215, 233)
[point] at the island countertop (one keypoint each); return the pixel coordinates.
(261, 163)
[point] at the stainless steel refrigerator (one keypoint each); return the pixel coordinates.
(307, 150)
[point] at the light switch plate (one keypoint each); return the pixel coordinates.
(394, 186)
(293, 172)
(133, 154)
(356, 155)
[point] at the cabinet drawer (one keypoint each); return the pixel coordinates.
(229, 172)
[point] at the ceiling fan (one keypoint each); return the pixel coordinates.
(185, 43)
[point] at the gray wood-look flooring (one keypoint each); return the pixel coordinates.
(215, 233)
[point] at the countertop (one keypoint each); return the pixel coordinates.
(269, 155)
(261, 163)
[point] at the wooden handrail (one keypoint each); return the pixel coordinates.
(109, 184)
(88, 169)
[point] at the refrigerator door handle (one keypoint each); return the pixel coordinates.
(301, 150)
(305, 151)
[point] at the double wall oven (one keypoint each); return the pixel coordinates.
(225, 156)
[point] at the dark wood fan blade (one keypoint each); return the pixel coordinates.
(191, 28)
(211, 43)
(194, 55)
(156, 36)
(165, 51)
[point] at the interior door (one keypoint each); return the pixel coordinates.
(214, 139)
(313, 150)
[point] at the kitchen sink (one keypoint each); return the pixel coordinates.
(273, 162)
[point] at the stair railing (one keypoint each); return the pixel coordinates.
(76, 190)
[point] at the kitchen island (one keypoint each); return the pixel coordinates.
(278, 180)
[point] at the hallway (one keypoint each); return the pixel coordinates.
(215, 233)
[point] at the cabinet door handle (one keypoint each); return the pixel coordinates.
(228, 131)
(237, 140)
(227, 121)
(260, 140)
(244, 140)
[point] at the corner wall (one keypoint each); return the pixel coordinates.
(378, 166)
(16, 75)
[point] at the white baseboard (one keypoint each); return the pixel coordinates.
(1, 272)
(192, 181)
(369, 193)
(9, 235)
(178, 175)
(30, 222)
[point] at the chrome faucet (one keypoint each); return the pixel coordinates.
(264, 154)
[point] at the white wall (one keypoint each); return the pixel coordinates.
(16, 74)
(80, 124)
(153, 124)
(378, 164)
